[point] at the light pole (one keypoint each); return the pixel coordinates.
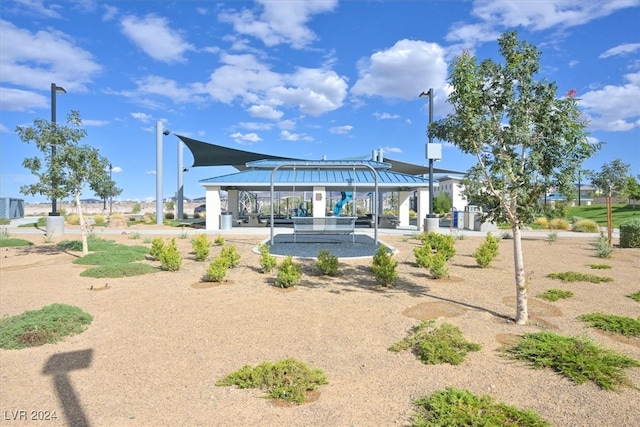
(55, 89)
(433, 152)
(180, 194)
(160, 131)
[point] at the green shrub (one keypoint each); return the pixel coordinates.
(440, 243)
(5, 221)
(289, 274)
(157, 245)
(170, 259)
(487, 251)
(600, 266)
(288, 379)
(630, 233)
(542, 222)
(635, 296)
(579, 359)
(460, 408)
(267, 261)
(201, 247)
(50, 324)
(137, 208)
(384, 267)
(555, 294)
(626, 326)
(444, 344)
(169, 215)
(231, 255)
(572, 276)
(603, 247)
(585, 226)
(327, 262)
(219, 240)
(217, 270)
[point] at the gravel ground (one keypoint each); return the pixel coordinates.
(159, 342)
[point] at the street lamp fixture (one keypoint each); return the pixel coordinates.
(433, 152)
(55, 89)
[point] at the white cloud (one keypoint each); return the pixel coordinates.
(621, 50)
(38, 7)
(497, 16)
(281, 22)
(115, 169)
(153, 35)
(614, 108)
(288, 136)
(341, 130)
(143, 117)
(255, 125)
(110, 12)
(28, 59)
(403, 71)
(265, 112)
(385, 116)
(21, 100)
(246, 138)
(95, 122)
(3, 128)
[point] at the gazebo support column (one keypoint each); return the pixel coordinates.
(404, 198)
(319, 201)
(212, 219)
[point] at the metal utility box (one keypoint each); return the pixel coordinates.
(11, 208)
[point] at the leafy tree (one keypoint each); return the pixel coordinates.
(105, 188)
(522, 134)
(633, 189)
(611, 179)
(73, 167)
(442, 203)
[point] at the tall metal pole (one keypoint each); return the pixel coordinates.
(180, 194)
(431, 215)
(54, 89)
(110, 197)
(159, 131)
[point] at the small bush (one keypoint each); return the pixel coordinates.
(267, 261)
(169, 215)
(289, 274)
(460, 408)
(99, 219)
(327, 262)
(134, 236)
(603, 247)
(626, 326)
(157, 245)
(170, 259)
(201, 247)
(384, 267)
(217, 270)
(635, 296)
(73, 219)
(443, 244)
(585, 226)
(435, 345)
(5, 221)
(630, 233)
(487, 251)
(600, 266)
(50, 324)
(288, 379)
(559, 224)
(506, 235)
(218, 241)
(555, 294)
(231, 255)
(542, 222)
(137, 208)
(572, 276)
(579, 359)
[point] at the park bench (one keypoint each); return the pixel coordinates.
(327, 225)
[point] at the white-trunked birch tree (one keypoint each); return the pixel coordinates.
(522, 134)
(73, 167)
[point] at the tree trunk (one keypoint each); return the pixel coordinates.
(522, 311)
(609, 220)
(83, 226)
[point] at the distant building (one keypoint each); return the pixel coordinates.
(452, 186)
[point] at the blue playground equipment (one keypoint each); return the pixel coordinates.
(346, 198)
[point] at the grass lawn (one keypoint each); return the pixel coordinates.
(598, 213)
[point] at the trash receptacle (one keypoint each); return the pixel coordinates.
(226, 221)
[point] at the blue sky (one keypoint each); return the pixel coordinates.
(293, 78)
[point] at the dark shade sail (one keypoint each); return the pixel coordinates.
(205, 154)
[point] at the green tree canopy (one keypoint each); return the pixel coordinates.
(522, 134)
